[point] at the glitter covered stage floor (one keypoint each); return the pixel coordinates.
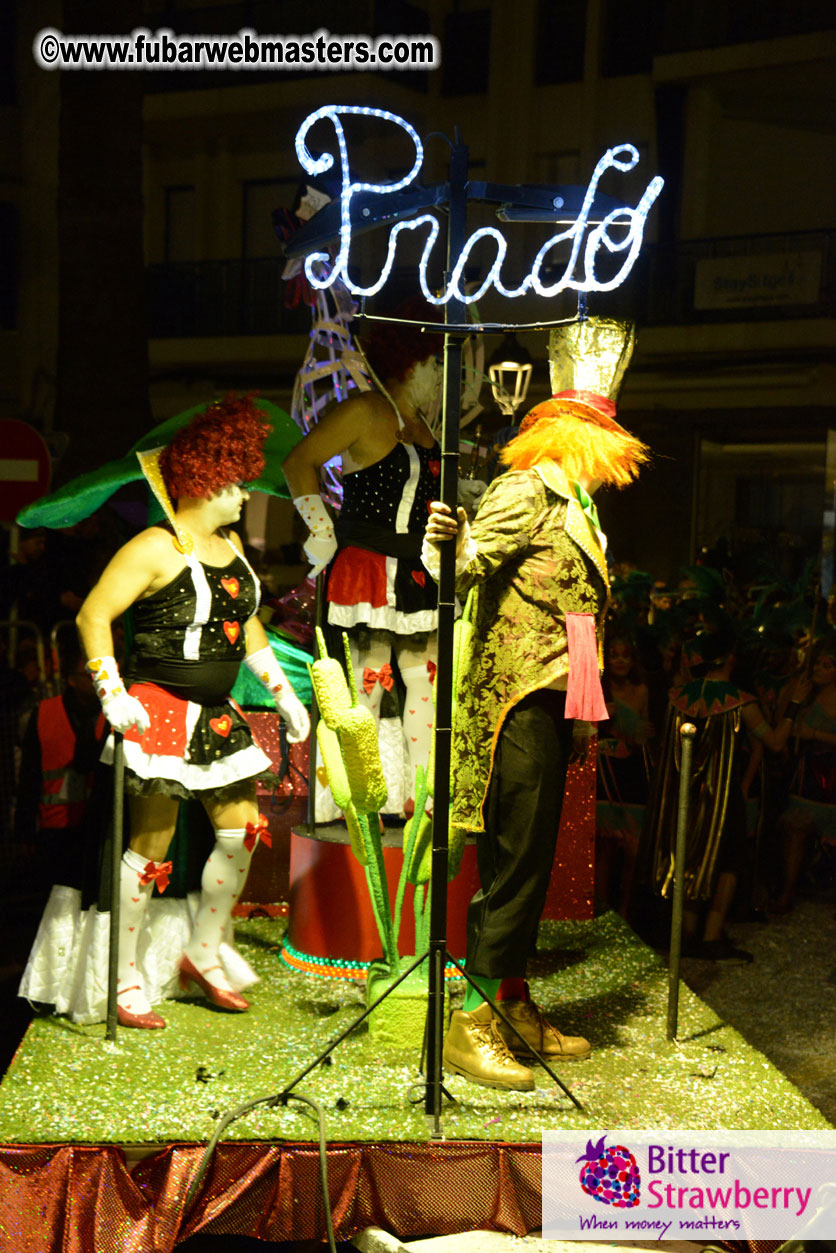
(163, 1090)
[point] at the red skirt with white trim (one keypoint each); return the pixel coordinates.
(189, 749)
(385, 593)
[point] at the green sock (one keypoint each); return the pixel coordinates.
(473, 998)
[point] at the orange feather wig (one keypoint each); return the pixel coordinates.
(583, 440)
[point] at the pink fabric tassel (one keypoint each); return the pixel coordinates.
(584, 697)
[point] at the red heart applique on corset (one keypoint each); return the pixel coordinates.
(232, 631)
(231, 585)
(221, 726)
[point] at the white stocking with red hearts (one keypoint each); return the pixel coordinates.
(224, 876)
(417, 717)
(133, 902)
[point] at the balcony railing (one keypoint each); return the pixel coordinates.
(203, 298)
(741, 278)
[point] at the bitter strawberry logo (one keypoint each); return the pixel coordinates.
(610, 1174)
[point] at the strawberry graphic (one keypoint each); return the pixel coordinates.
(610, 1174)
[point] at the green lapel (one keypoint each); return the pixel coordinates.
(579, 527)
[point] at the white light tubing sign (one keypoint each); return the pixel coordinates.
(621, 231)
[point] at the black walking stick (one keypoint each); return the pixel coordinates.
(115, 875)
(687, 732)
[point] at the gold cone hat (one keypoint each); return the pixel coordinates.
(590, 356)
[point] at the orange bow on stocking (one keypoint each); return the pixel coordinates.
(383, 675)
(257, 831)
(159, 874)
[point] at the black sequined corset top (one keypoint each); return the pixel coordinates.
(191, 632)
(390, 498)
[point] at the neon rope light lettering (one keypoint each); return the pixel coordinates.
(627, 222)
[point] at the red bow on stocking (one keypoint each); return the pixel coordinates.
(431, 669)
(158, 873)
(257, 831)
(384, 675)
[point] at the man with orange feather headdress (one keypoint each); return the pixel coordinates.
(532, 565)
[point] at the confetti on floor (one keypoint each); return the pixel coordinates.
(594, 978)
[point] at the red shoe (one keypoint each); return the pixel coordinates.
(126, 1019)
(218, 996)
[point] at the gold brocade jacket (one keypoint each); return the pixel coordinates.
(537, 557)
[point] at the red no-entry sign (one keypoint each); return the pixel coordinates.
(24, 467)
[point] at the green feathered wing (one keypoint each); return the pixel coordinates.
(252, 694)
(88, 492)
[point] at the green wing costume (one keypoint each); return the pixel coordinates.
(87, 493)
(250, 693)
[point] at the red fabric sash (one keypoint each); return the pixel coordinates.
(584, 697)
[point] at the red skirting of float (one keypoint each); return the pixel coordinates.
(71, 1198)
(64, 1198)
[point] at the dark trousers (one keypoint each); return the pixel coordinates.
(516, 851)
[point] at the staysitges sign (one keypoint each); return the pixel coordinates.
(620, 232)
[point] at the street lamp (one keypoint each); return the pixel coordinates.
(509, 369)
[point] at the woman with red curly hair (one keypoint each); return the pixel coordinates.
(194, 598)
(220, 446)
(378, 590)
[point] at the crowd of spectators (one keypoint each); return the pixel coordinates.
(732, 656)
(44, 577)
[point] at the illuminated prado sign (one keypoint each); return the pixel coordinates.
(620, 231)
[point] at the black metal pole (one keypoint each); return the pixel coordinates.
(687, 732)
(454, 313)
(313, 781)
(115, 877)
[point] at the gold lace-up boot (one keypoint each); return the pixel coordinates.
(539, 1034)
(474, 1049)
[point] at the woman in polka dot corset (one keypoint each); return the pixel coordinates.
(378, 589)
(194, 599)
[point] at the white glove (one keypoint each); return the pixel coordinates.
(321, 544)
(319, 549)
(121, 710)
(265, 667)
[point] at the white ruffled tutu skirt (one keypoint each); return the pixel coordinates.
(68, 964)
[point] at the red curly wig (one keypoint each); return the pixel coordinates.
(581, 438)
(220, 446)
(393, 350)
